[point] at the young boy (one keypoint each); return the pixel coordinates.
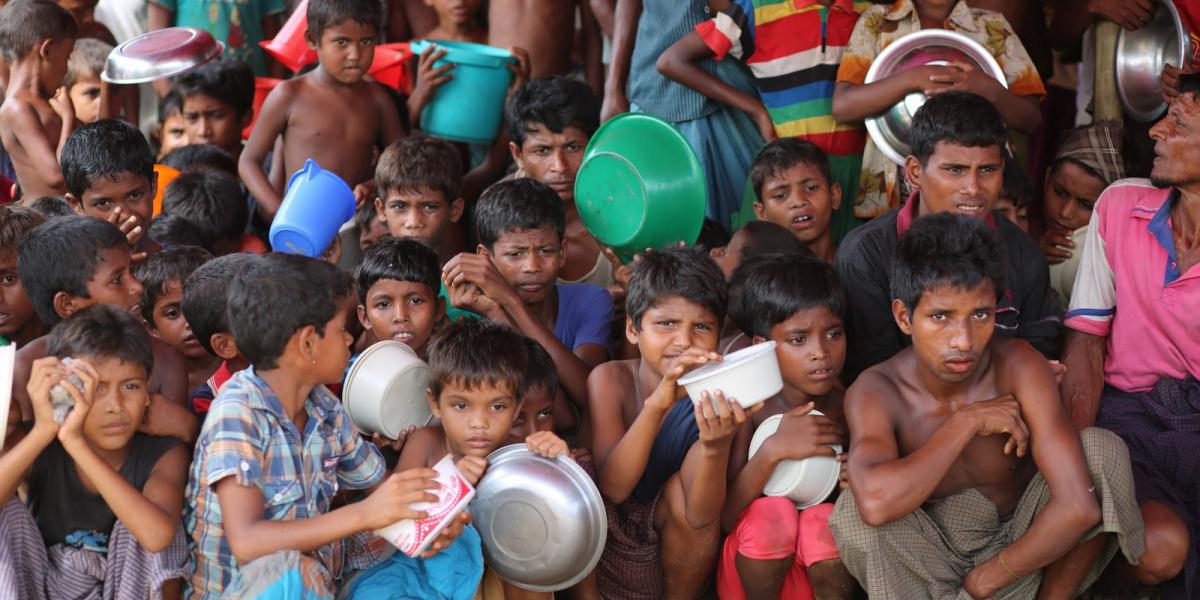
(513, 278)
(104, 500)
(171, 131)
(36, 39)
(162, 276)
(398, 283)
(419, 180)
(260, 493)
(754, 239)
(371, 229)
(83, 78)
(793, 51)
(215, 203)
(217, 102)
(109, 170)
(52, 207)
(331, 114)
(662, 459)
(1015, 194)
(773, 550)
(795, 189)
(19, 323)
(882, 24)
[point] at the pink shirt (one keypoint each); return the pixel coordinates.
(1129, 288)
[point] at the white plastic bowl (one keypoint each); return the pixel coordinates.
(385, 390)
(806, 482)
(750, 376)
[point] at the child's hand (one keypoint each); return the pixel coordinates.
(468, 296)
(802, 435)
(582, 455)
(1059, 370)
(397, 444)
(71, 431)
(44, 375)
(61, 103)
(766, 126)
(1055, 244)
(449, 533)
(363, 193)
(970, 79)
(472, 468)
(477, 269)
(668, 389)
(520, 70)
(931, 79)
(130, 227)
(392, 501)
(718, 424)
(429, 80)
(546, 444)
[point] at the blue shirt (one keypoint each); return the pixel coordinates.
(585, 313)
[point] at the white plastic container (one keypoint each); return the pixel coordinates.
(414, 537)
(806, 482)
(750, 376)
(385, 390)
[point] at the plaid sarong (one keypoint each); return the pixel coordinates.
(928, 553)
(630, 568)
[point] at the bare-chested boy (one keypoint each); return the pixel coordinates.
(546, 28)
(36, 39)
(965, 473)
(330, 114)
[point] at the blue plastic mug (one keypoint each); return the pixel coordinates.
(316, 205)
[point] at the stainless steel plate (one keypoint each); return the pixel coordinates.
(1140, 58)
(158, 54)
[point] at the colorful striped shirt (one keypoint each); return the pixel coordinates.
(248, 435)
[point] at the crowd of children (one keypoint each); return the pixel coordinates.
(919, 311)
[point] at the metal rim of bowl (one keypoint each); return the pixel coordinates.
(599, 517)
(1181, 57)
(105, 77)
(903, 45)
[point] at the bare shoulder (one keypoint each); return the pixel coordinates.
(420, 447)
(614, 376)
(874, 389)
(173, 464)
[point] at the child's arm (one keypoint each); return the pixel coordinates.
(625, 23)
(593, 48)
(158, 17)
(65, 109)
(269, 126)
(1022, 113)
(23, 123)
(855, 102)
(16, 462)
(704, 470)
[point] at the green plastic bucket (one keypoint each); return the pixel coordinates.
(640, 186)
(469, 106)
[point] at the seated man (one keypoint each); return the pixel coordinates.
(1138, 290)
(956, 166)
(965, 473)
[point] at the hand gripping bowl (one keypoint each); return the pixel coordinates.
(159, 54)
(890, 131)
(1140, 58)
(385, 390)
(750, 376)
(542, 520)
(806, 482)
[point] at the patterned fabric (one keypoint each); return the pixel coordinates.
(238, 24)
(662, 23)
(1098, 147)
(881, 25)
(248, 436)
(1162, 429)
(928, 553)
(630, 568)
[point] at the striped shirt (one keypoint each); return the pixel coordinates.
(247, 435)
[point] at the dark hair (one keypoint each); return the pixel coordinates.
(363, 217)
(946, 249)
(765, 237)
(104, 331)
(279, 295)
(712, 235)
(541, 372)
(212, 201)
(1016, 186)
(420, 161)
(227, 79)
(554, 103)
(16, 222)
(205, 295)
(104, 148)
(162, 267)
(174, 230)
(25, 23)
(1189, 83)
(200, 157)
(61, 255)
(88, 56)
(400, 259)
(783, 154)
(957, 117)
(767, 290)
(688, 273)
(517, 205)
(171, 104)
(477, 352)
(53, 207)
(323, 14)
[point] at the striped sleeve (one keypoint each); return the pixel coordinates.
(731, 32)
(1094, 297)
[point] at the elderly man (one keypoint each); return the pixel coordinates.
(1133, 346)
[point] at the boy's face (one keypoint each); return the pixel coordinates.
(455, 12)
(405, 311)
(536, 413)
(113, 283)
(170, 326)
(729, 256)
(371, 235)
(950, 327)
(423, 214)
(811, 348)
(671, 327)
(1071, 193)
(55, 55)
(133, 194)
(552, 158)
(801, 199)
(346, 50)
(529, 259)
(174, 134)
(476, 421)
(15, 308)
(211, 121)
(122, 394)
(85, 96)
(332, 351)
(1018, 215)
(958, 179)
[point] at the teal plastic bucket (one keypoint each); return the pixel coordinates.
(468, 107)
(315, 206)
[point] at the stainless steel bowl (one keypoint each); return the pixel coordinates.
(890, 131)
(1140, 58)
(160, 53)
(542, 521)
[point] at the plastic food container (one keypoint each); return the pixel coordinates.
(385, 390)
(315, 206)
(468, 108)
(806, 482)
(414, 537)
(750, 376)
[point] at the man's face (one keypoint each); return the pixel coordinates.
(170, 326)
(801, 199)
(211, 121)
(476, 420)
(552, 158)
(122, 394)
(950, 327)
(85, 97)
(346, 50)
(113, 283)
(811, 348)
(529, 259)
(958, 179)
(128, 192)
(423, 214)
(405, 311)
(1176, 148)
(15, 308)
(669, 328)
(1071, 193)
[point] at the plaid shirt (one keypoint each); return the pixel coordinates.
(247, 435)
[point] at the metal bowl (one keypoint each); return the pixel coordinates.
(890, 131)
(159, 54)
(542, 521)
(1140, 58)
